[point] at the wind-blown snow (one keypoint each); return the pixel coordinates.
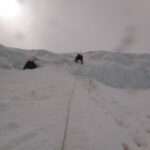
(114, 69)
(33, 103)
(118, 70)
(15, 58)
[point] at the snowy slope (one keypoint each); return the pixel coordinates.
(104, 114)
(16, 58)
(114, 69)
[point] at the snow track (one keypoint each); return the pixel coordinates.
(33, 112)
(98, 120)
(68, 113)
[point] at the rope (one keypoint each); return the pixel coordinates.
(68, 112)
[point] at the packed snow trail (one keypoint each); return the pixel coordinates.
(68, 113)
(93, 124)
(109, 108)
(33, 108)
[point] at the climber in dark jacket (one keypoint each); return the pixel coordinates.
(79, 57)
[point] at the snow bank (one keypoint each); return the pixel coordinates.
(34, 104)
(33, 112)
(117, 76)
(11, 58)
(111, 68)
(118, 70)
(16, 58)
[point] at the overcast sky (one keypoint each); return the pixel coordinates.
(78, 25)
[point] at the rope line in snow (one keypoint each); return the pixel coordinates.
(68, 112)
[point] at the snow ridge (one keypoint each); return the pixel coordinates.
(34, 104)
(119, 70)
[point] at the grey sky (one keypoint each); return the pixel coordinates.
(79, 25)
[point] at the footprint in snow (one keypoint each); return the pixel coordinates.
(121, 123)
(17, 141)
(140, 141)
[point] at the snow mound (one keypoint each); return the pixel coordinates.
(117, 76)
(11, 58)
(16, 58)
(119, 70)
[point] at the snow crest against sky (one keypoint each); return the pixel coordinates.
(78, 25)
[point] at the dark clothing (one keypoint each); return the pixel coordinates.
(30, 65)
(79, 57)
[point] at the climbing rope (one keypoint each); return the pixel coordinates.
(68, 112)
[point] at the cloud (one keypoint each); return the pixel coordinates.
(69, 25)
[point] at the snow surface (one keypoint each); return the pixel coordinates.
(110, 106)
